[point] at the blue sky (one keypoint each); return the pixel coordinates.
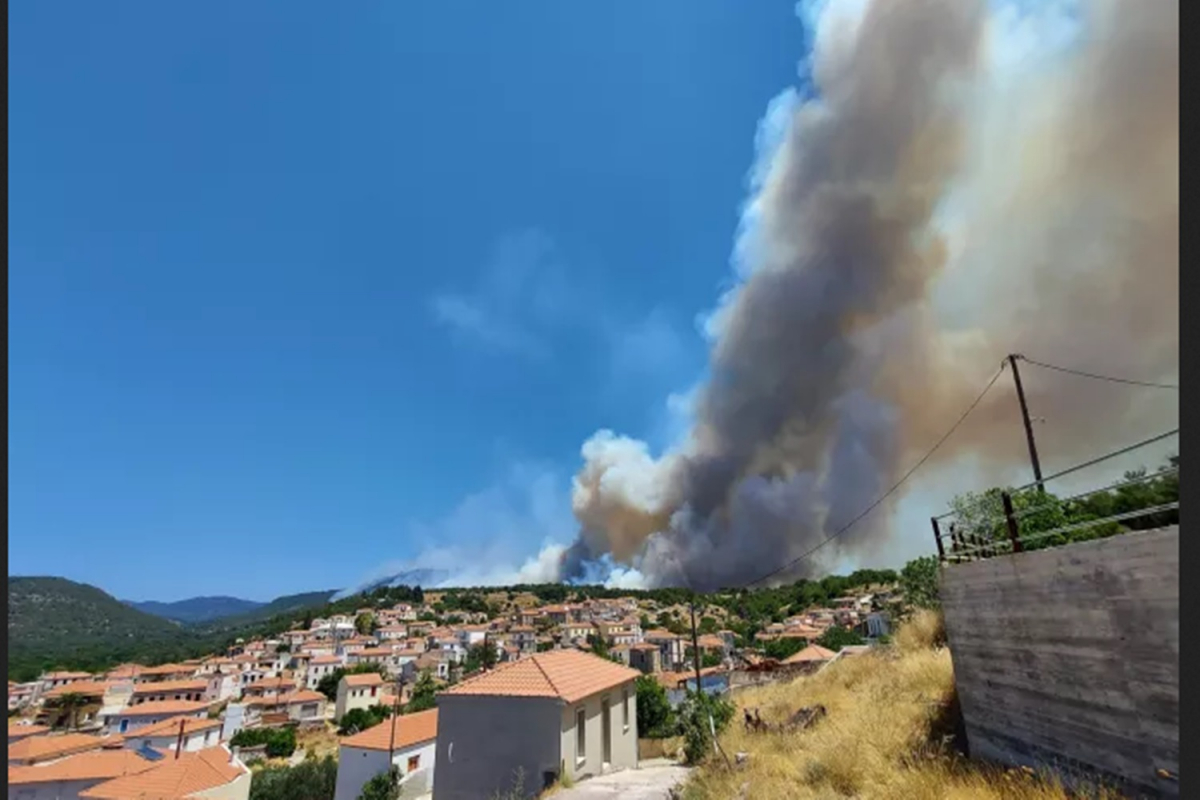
(295, 294)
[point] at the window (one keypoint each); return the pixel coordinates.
(580, 736)
(625, 708)
(414, 763)
(373, 689)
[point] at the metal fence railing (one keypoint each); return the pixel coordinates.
(1029, 517)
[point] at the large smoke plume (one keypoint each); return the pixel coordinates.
(924, 213)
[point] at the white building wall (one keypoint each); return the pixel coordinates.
(356, 766)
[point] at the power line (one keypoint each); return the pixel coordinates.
(890, 491)
(1094, 376)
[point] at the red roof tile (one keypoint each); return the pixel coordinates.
(569, 675)
(410, 729)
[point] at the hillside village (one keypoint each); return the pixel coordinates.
(333, 684)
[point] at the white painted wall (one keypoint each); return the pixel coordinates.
(192, 742)
(357, 765)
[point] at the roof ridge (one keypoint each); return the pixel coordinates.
(537, 662)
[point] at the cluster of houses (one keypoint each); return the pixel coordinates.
(548, 706)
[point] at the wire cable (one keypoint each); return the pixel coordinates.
(1094, 376)
(890, 491)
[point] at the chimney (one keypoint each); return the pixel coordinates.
(233, 754)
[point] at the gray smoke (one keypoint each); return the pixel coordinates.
(1046, 211)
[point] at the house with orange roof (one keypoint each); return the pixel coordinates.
(214, 773)
(409, 739)
(192, 689)
(21, 694)
(358, 691)
(19, 729)
(194, 733)
(645, 657)
(392, 632)
(131, 718)
(65, 778)
(673, 648)
(51, 746)
(319, 667)
(270, 687)
(165, 672)
(124, 672)
(813, 656)
(562, 713)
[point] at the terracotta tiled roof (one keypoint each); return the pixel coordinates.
(410, 729)
(174, 778)
(16, 728)
(321, 660)
(98, 765)
(366, 679)
(42, 748)
(166, 669)
(90, 688)
(304, 696)
(660, 633)
(67, 676)
(159, 687)
(163, 707)
(814, 652)
(171, 726)
(569, 675)
(643, 646)
(270, 684)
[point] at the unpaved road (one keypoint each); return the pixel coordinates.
(646, 783)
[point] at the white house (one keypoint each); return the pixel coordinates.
(358, 691)
(412, 742)
(213, 773)
(130, 718)
(470, 635)
(65, 778)
(319, 667)
(197, 734)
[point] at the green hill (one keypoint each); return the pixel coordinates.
(54, 622)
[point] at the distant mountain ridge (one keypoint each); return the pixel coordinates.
(421, 576)
(197, 609)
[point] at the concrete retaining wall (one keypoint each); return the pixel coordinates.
(1069, 657)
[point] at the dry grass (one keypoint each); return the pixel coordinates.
(319, 741)
(884, 736)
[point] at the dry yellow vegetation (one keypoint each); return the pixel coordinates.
(887, 735)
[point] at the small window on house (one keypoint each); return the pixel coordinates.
(580, 736)
(373, 691)
(414, 763)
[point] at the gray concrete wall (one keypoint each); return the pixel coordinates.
(1069, 657)
(483, 740)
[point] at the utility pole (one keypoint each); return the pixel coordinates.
(395, 716)
(695, 647)
(1033, 454)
